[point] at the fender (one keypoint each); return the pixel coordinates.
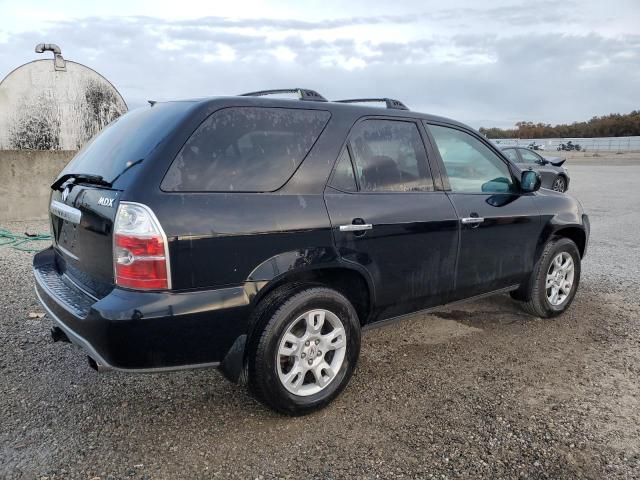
(561, 214)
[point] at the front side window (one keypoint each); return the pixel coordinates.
(389, 156)
(512, 155)
(528, 156)
(245, 149)
(471, 166)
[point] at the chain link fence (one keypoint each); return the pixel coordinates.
(591, 145)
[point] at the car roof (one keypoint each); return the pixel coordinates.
(356, 109)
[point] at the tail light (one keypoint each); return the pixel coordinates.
(140, 249)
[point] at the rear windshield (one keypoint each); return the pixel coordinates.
(127, 140)
(245, 149)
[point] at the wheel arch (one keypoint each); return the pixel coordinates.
(576, 233)
(349, 281)
(287, 273)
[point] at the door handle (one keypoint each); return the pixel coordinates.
(355, 227)
(472, 220)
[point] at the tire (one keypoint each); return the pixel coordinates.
(559, 184)
(287, 383)
(536, 298)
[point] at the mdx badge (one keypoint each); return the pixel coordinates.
(105, 201)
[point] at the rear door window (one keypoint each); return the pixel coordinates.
(343, 176)
(389, 156)
(245, 149)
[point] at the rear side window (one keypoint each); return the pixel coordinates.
(246, 149)
(389, 156)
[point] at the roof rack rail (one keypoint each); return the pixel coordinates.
(303, 94)
(390, 102)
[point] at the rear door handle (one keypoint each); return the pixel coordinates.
(355, 227)
(472, 220)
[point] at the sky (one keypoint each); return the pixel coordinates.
(489, 63)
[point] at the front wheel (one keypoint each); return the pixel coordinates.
(554, 281)
(559, 184)
(306, 351)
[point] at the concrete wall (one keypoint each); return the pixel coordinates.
(25, 178)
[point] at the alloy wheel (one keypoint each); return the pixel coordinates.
(311, 352)
(559, 185)
(559, 281)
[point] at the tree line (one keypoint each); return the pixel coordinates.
(613, 125)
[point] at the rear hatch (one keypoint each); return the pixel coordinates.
(86, 194)
(82, 219)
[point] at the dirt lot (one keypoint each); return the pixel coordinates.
(476, 391)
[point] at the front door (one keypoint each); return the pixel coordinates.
(388, 218)
(500, 226)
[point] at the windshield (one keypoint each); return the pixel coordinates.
(127, 140)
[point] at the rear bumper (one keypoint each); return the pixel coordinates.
(143, 331)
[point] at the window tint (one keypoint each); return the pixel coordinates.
(512, 154)
(129, 139)
(471, 165)
(248, 149)
(389, 156)
(343, 177)
(528, 156)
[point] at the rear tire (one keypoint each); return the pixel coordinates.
(305, 352)
(554, 281)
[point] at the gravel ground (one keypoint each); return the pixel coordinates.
(477, 391)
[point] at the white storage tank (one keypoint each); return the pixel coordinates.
(55, 104)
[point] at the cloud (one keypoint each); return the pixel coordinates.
(483, 76)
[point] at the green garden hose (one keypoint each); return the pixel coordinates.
(22, 241)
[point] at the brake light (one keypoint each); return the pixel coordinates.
(140, 249)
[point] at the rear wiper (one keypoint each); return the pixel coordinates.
(80, 177)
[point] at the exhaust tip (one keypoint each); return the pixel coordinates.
(58, 335)
(97, 366)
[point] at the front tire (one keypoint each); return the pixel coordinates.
(306, 351)
(554, 281)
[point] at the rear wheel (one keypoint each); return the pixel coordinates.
(559, 184)
(554, 281)
(306, 351)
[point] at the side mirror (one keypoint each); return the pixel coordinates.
(530, 181)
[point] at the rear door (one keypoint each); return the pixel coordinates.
(500, 226)
(389, 219)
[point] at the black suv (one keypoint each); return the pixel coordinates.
(261, 235)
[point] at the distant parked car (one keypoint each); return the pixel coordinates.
(554, 175)
(535, 146)
(569, 146)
